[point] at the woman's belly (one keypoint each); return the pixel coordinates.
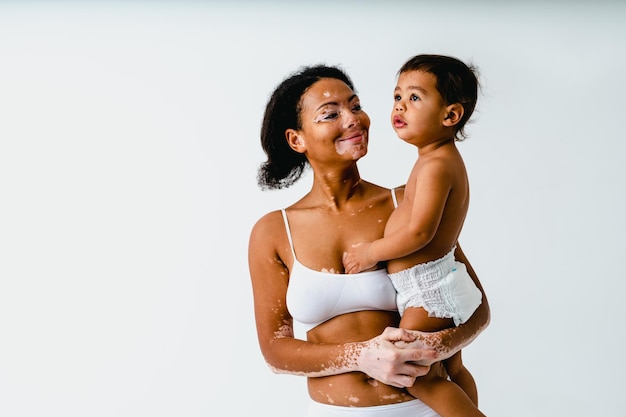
(354, 389)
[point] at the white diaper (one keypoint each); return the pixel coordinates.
(442, 287)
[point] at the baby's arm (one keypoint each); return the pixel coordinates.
(432, 187)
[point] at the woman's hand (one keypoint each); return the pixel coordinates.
(428, 341)
(390, 358)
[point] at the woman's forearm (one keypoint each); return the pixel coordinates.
(297, 357)
(447, 342)
(455, 339)
(378, 357)
(479, 321)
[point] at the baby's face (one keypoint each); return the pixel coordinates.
(418, 109)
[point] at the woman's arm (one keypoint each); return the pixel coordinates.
(377, 357)
(449, 341)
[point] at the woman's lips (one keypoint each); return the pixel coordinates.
(355, 138)
(355, 145)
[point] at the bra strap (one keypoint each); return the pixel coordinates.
(288, 232)
(394, 198)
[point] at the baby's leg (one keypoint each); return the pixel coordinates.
(461, 376)
(416, 318)
(445, 397)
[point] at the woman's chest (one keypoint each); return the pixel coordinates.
(320, 242)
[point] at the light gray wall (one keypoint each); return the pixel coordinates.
(128, 155)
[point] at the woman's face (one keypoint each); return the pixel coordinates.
(333, 123)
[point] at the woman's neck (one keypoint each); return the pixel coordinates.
(335, 189)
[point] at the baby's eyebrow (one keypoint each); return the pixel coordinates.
(415, 87)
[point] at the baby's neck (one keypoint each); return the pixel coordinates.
(435, 145)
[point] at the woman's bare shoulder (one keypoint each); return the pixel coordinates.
(268, 222)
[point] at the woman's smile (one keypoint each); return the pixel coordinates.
(355, 143)
(354, 138)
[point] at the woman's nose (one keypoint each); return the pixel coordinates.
(350, 119)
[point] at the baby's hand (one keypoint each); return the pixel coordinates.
(357, 259)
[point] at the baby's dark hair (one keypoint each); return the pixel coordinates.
(284, 166)
(456, 82)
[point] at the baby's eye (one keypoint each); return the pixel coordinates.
(414, 97)
(396, 97)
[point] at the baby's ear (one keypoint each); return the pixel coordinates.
(295, 140)
(454, 114)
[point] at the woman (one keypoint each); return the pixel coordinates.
(355, 357)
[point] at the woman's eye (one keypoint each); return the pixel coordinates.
(357, 107)
(326, 116)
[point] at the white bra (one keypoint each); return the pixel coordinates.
(314, 297)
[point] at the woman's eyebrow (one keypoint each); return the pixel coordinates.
(334, 103)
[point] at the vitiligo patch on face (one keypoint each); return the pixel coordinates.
(319, 118)
(346, 146)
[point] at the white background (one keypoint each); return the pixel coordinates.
(128, 155)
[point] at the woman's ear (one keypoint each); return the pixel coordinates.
(295, 140)
(454, 113)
